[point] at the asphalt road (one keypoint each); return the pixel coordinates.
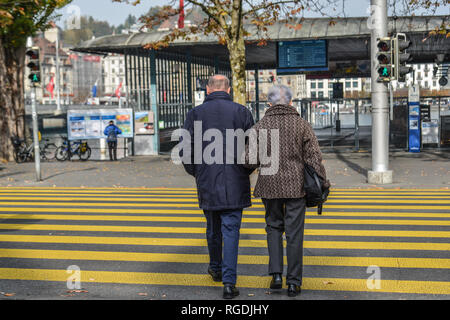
(141, 244)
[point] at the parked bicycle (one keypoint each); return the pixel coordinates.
(69, 149)
(24, 152)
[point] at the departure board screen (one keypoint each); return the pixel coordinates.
(302, 54)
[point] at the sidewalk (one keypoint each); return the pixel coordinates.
(428, 169)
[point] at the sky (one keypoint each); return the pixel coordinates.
(115, 13)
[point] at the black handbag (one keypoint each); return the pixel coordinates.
(316, 193)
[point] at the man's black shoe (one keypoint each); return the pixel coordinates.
(277, 281)
(216, 275)
(293, 290)
(230, 291)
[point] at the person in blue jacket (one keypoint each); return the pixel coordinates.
(223, 188)
(111, 132)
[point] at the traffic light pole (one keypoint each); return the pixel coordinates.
(380, 173)
(37, 153)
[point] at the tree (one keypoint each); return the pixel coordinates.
(225, 19)
(230, 22)
(19, 19)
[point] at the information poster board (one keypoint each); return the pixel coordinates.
(144, 122)
(90, 124)
(414, 118)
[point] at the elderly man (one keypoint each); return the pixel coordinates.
(282, 189)
(223, 186)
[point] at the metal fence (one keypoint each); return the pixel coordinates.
(347, 123)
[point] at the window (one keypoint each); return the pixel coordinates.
(330, 85)
(313, 85)
(320, 84)
(330, 94)
(320, 94)
(348, 84)
(313, 94)
(355, 84)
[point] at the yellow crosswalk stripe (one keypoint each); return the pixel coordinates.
(311, 212)
(254, 231)
(110, 195)
(380, 189)
(204, 258)
(170, 279)
(154, 203)
(203, 219)
(242, 242)
(178, 199)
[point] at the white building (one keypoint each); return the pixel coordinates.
(113, 73)
(423, 77)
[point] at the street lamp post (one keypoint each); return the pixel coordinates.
(380, 173)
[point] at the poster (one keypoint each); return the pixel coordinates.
(93, 125)
(90, 124)
(77, 126)
(144, 122)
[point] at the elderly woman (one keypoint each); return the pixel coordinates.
(290, 143)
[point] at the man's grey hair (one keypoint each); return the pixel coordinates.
(279, 94)
(219, 82)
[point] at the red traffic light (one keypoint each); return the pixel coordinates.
(33, 54)
(383, 46)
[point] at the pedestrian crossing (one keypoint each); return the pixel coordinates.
(156, 237)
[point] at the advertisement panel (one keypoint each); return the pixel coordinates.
(144, 122)
(414, 118)
(90, 124)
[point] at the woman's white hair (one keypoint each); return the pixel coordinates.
(279, 94)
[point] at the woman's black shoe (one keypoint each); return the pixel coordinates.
(277, 281)
(230, 291)
(216, 275)
(293, 290)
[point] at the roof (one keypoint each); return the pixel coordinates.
(349, 38)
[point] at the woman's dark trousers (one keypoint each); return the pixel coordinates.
(286, 216)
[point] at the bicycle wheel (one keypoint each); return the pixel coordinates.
(62, 153)
(49, 151)
(19, 156)
(84, 156)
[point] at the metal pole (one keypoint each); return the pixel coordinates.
(37, 153)
(257, 93)
(58, 98)
(380, 173)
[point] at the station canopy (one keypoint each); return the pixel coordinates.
(348, 39)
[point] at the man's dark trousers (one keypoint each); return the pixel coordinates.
(112, 145)
(224, 227)
(286, 215)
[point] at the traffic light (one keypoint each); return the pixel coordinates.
(384, 58)
(34, 65)
(401, 43)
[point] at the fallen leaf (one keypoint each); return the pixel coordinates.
(9, 294)
(142, 294)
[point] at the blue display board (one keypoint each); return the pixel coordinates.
(302, 55)
(414, 119)
(90, 124)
